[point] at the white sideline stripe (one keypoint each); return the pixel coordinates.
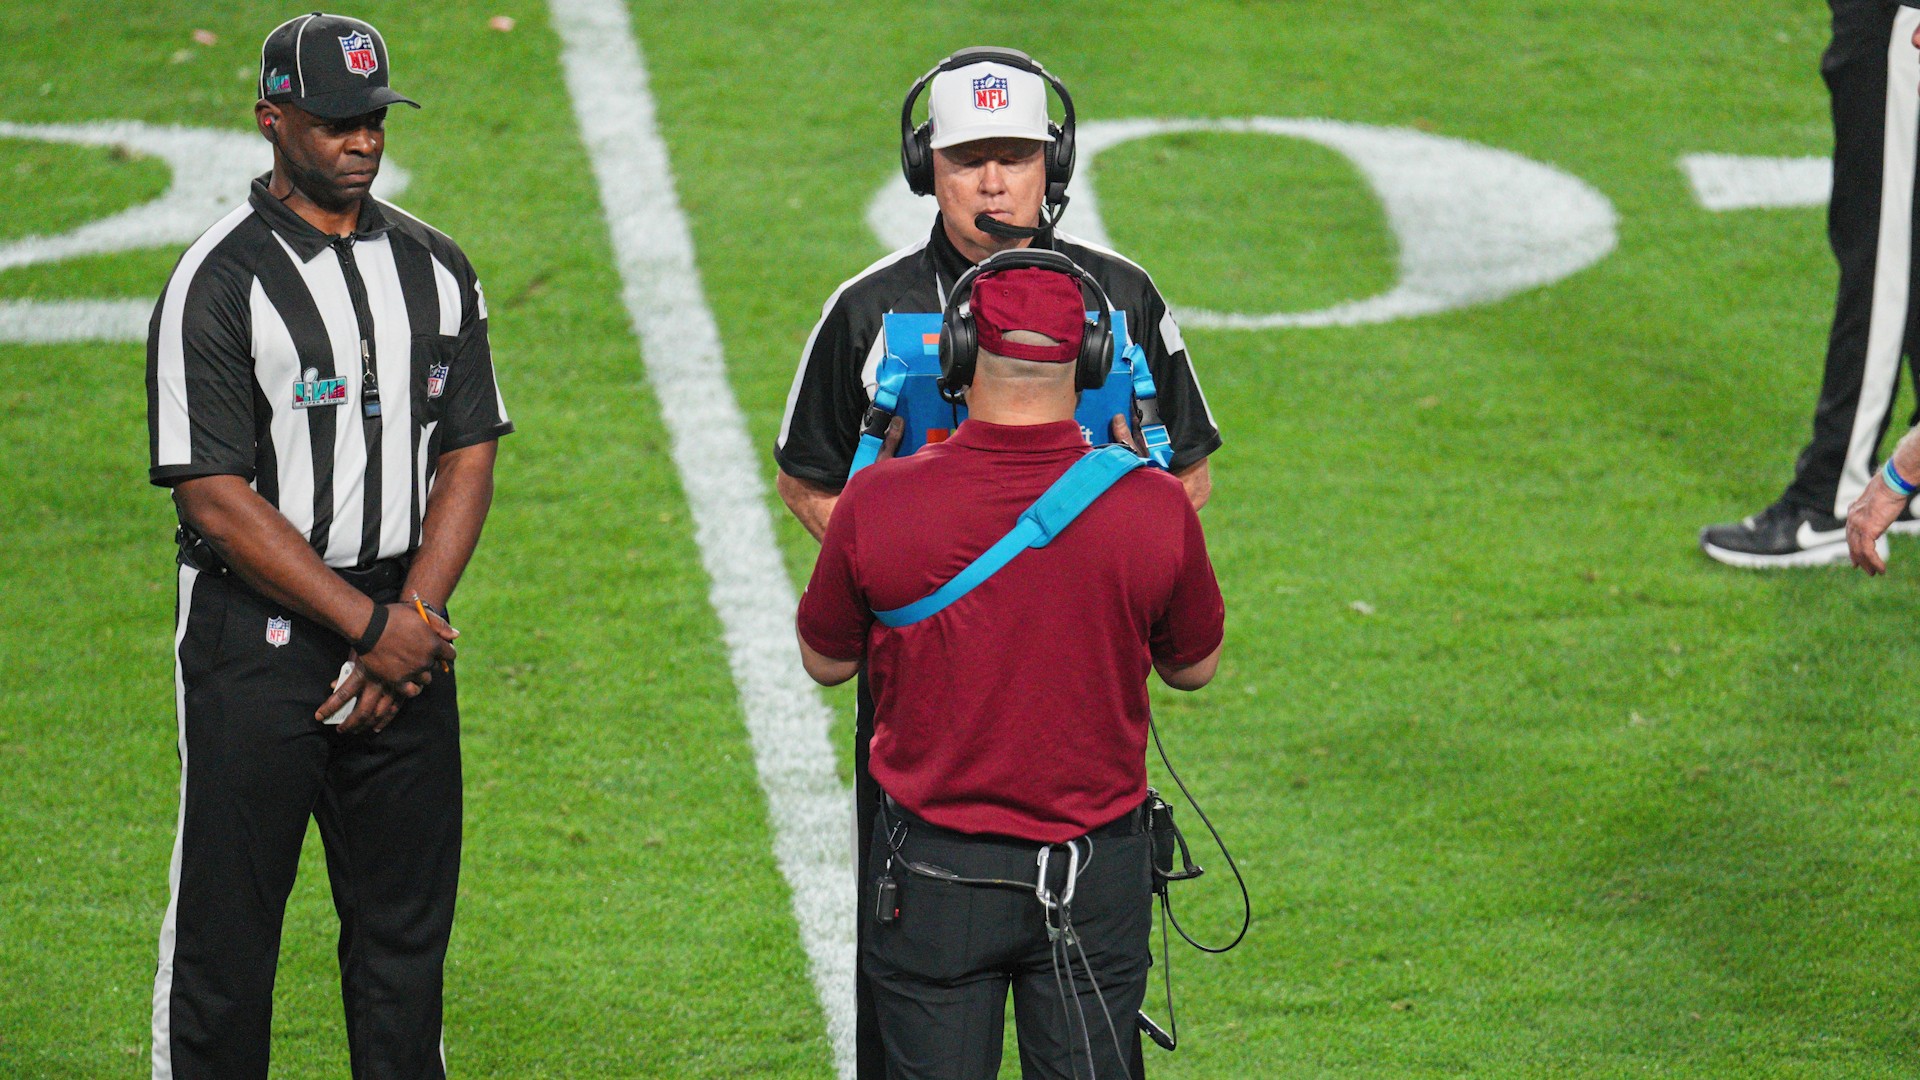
(45, 322)
(807, 806)
(1723, 182)
(1892, 261)
(163, 974)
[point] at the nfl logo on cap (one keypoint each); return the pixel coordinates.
(358, 48)
(990, 92)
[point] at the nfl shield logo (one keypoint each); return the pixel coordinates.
(990, 93)
(358, 48)
(279, 631)
(436, 381)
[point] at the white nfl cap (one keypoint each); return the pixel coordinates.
(987, 101)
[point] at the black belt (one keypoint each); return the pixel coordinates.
(1131, 823)
(382, 577)
(385, 576)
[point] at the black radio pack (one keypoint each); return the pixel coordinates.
(1167, 842)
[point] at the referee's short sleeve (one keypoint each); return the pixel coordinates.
(475, 410)
(828, 402)
(200, 384)
(1183, 406)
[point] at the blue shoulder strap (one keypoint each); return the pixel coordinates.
(1077, 488)
(1146, 398)
(886, 401)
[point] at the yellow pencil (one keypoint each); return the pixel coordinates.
(421, 607)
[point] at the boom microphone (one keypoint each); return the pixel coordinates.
(993, 226)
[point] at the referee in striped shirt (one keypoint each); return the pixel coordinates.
(321, 401)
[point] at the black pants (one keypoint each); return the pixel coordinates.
(941, 971)
(1870, 227)
(254, 765)
(870, 1057)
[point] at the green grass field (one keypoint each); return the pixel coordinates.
(1571, 801)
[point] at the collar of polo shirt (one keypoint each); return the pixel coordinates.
(300, 235)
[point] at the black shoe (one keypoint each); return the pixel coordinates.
(1779, 536)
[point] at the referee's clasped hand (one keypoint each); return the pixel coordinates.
(409, 650)
(1868, 520)
(375, 706)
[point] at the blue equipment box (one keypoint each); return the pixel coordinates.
(913, 340)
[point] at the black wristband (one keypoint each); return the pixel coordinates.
(376, 626)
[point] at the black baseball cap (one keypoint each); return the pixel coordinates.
(328, 65)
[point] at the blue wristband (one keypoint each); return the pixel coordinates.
(1897, 482)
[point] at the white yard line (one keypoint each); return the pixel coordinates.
(807, 806)
(1743, 182)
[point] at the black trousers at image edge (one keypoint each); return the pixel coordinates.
(1871, 236)
(254, 767)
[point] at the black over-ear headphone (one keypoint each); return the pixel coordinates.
(916, 150)
(960, 341)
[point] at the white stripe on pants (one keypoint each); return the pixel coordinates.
(1892, 266)
(163, 976)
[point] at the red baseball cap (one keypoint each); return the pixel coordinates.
(1029, 298)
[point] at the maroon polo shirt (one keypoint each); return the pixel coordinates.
(1021, 709)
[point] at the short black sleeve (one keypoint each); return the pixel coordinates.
(828, 401)
(475, 411)
(1189, 422)
(200, 393)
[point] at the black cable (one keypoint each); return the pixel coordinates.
(1058, 917)
(1246, 902)
(1054, 951)
(1166, 976)
(1114, 1032)
(941, 873)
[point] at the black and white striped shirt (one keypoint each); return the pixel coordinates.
(840, 363)
(257, 358)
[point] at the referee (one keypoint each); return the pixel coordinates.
(321, 401)
(998, 168)
(1872, 71)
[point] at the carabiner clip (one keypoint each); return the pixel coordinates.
(1040, 890)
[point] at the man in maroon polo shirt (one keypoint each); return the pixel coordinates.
(1013, 722)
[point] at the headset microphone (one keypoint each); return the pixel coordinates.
(993, 226)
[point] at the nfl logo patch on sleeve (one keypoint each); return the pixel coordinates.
(279, 631)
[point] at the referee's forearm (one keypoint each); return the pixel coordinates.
(268, 553)
(1906, 454)
(456, 512)
(809, 501)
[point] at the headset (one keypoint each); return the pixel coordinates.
(960, 340)
(916, 150)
